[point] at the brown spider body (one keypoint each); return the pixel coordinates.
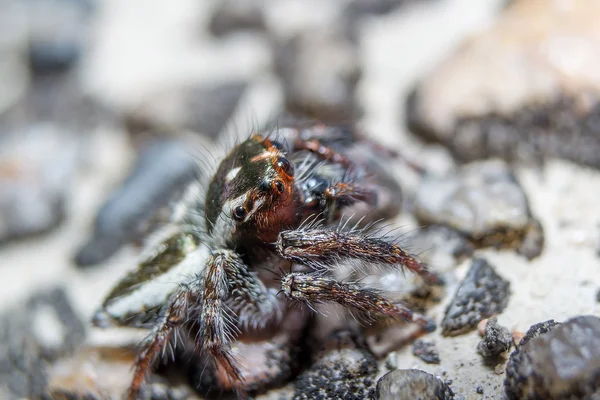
(271, 206)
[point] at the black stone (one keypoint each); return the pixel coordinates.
(344, 368)
(426, 351)
(556, 361)
(412, 384)
(496, 340)
(482, 294)
(161, 172)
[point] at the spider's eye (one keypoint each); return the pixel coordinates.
(285, 165)
(239, 213)
(279, 186)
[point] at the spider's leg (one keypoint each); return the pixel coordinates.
(175, 316)
(255, 305)
(312, 288)
(325, 247)
(216, 328)
(259, 315)
(323, 152)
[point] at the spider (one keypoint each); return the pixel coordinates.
(274, 206)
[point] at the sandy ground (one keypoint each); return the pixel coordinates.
(140, 44)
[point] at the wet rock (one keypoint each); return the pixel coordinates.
(37, 164)
(412, 384)
(482, 294)
(344, 368)
(161, 172)
(426, 351)
(33, 335)
(496, 340)
(523, 90)
(557, 361)
(484, 202)
(235, 15)
(320, 70)
(202, 109)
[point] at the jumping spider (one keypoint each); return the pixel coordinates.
(273, 207)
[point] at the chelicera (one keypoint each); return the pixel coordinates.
(274, 207)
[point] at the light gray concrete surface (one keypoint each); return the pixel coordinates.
(140, 45)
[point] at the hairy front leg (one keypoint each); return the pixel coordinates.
(322, 248)
(267, 338)
(310, 288)
(157, 341)
(216, 327)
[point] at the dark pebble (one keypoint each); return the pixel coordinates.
(485, 203)
(57, 34)
(496, 340)
(343, 369)
(426, 351)
(479, 390)
(162, 171)
(320, 70)
(27, 346)
(556, 361)
(37, 164)
(412, 384)
(235, 15)
(482, 294)
(203, 109)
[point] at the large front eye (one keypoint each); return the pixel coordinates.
(239, 213)
(285, 165)
(279, 186)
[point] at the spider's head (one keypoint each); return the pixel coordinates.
(252, 194)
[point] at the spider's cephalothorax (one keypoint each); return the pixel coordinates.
(252, 196)
(271, 206)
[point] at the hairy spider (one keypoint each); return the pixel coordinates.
(273, 205)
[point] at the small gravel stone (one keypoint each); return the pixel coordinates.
(343, 369)
(496, 340)
(203, 109)
(556, 361)
(479, 390)
(320, 71)
(163, 169)
(37, 164)
(412, 384)
(30, 340)
(57, 34)
(484, 202)
(426, 351)
(236, 15)
(482, 294)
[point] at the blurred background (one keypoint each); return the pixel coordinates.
(102, 102)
